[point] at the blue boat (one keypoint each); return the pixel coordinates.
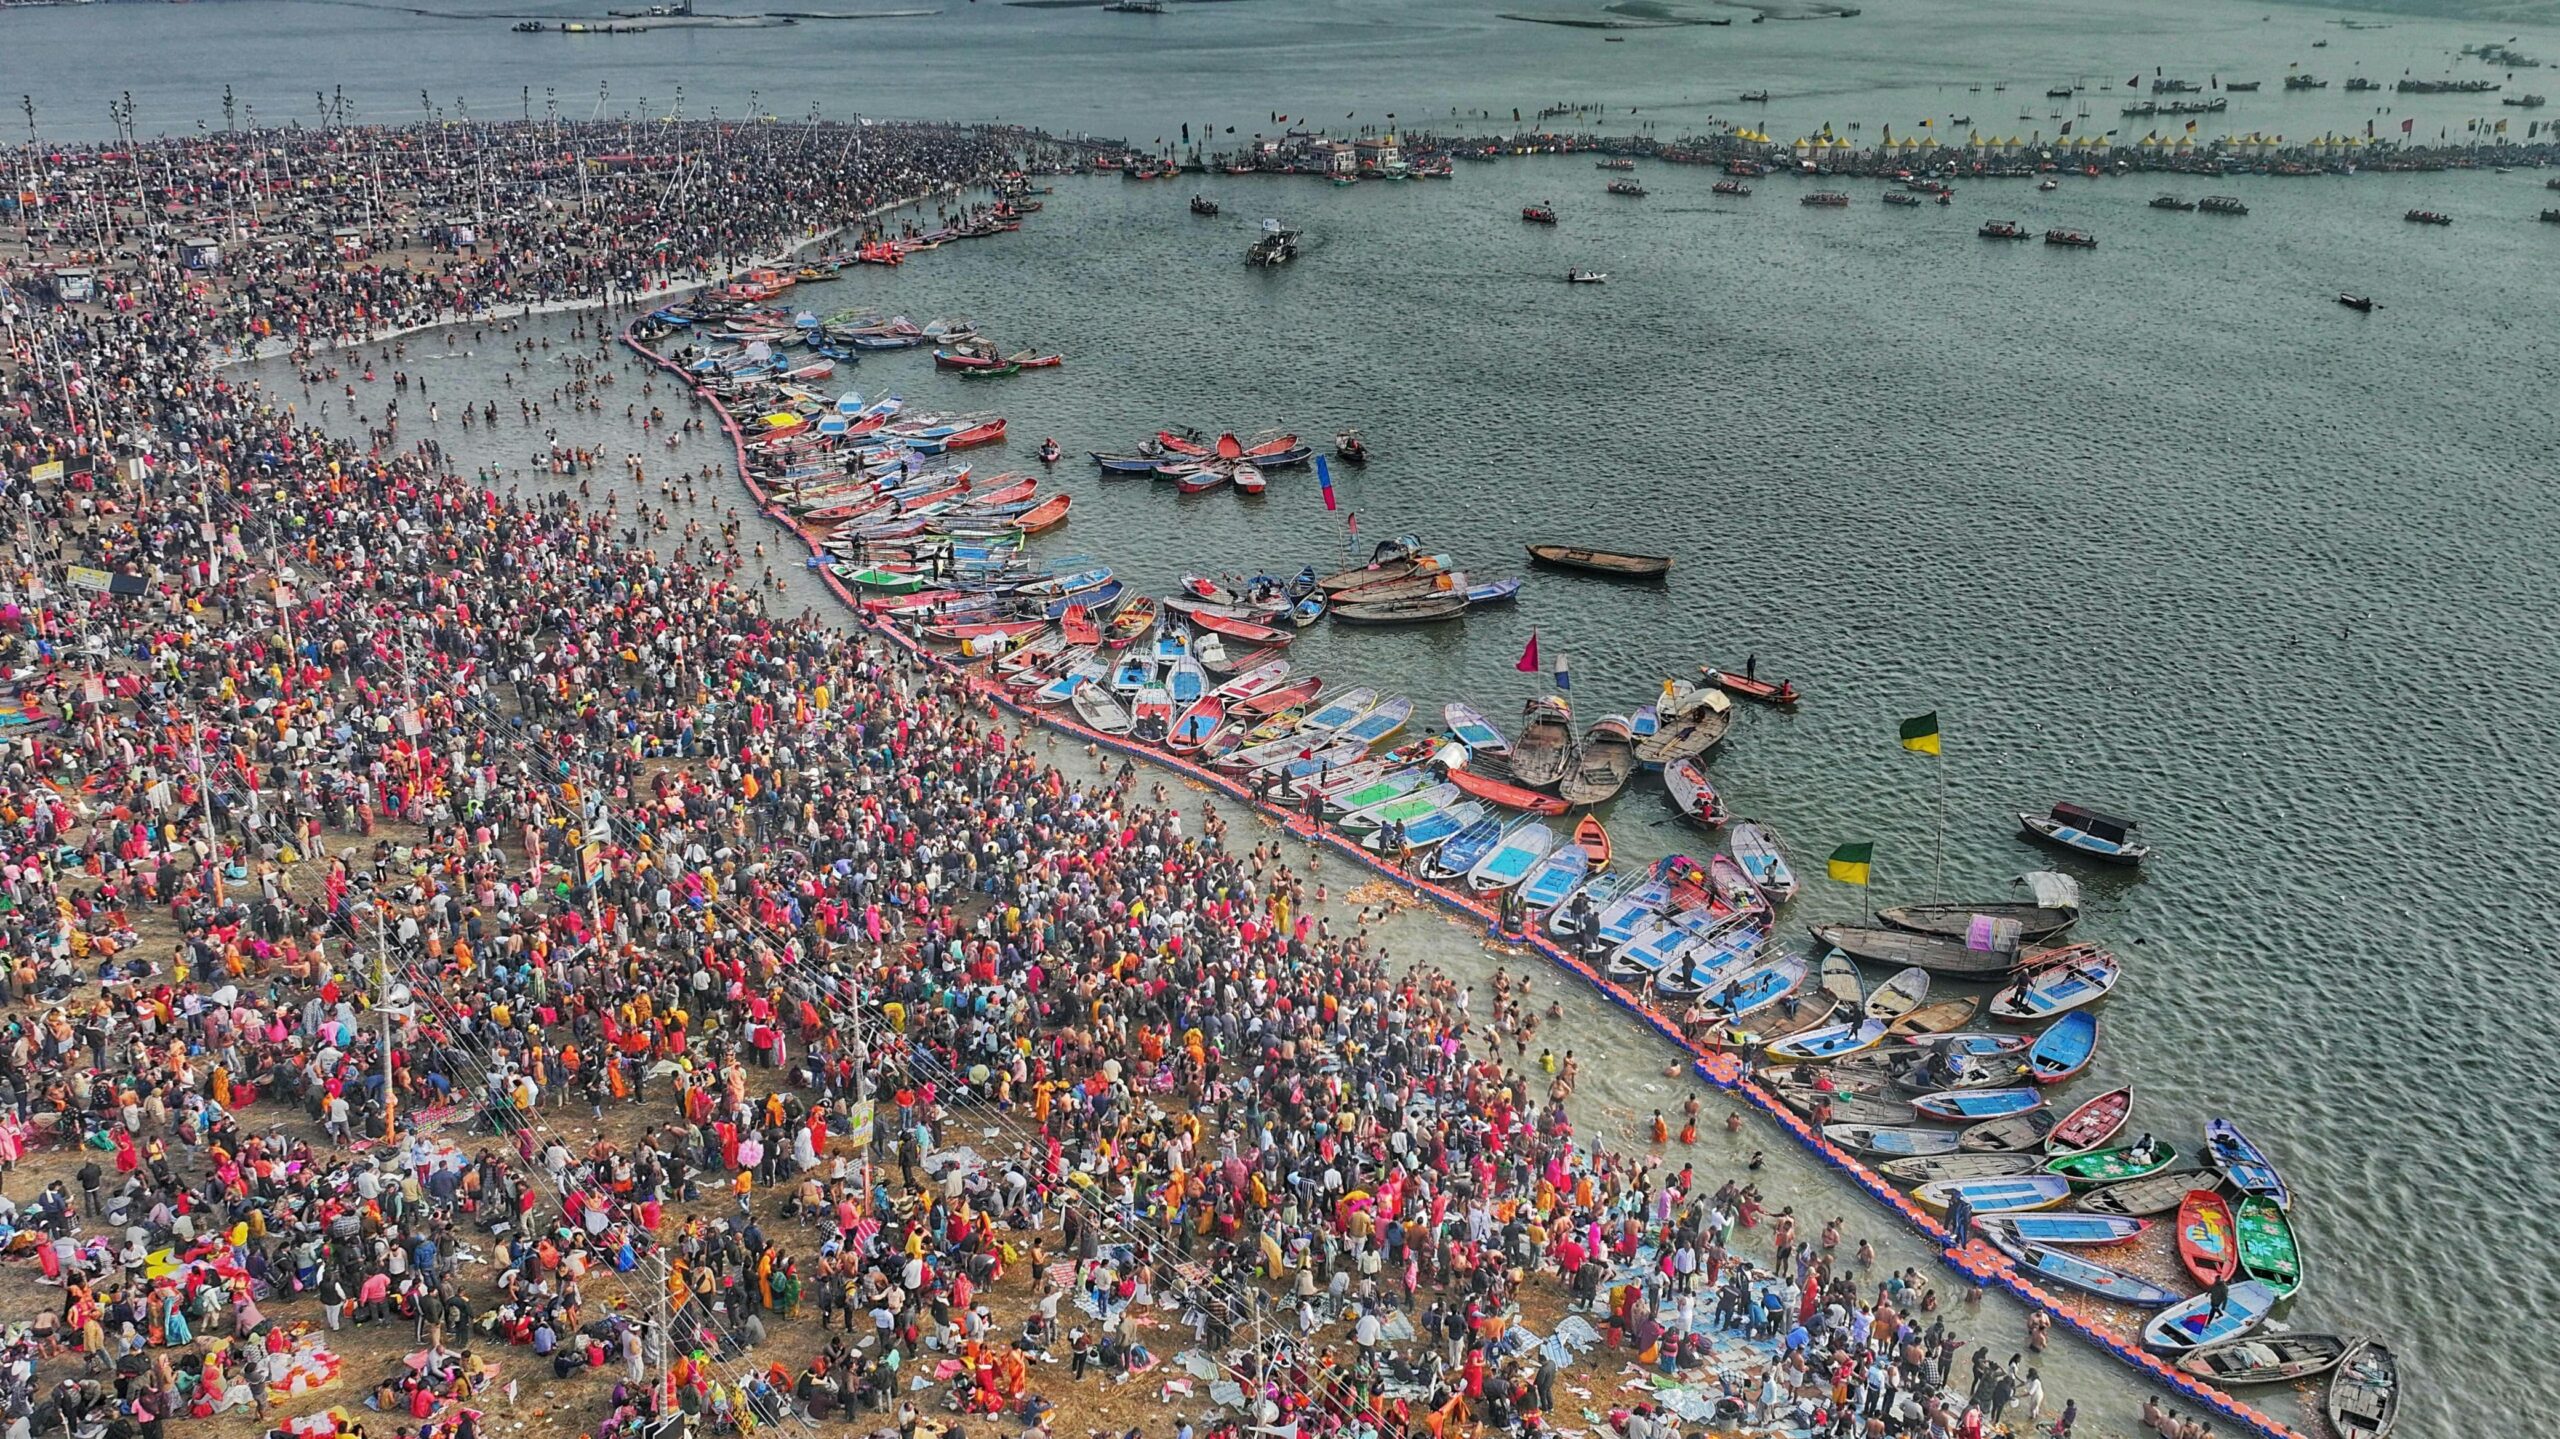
(2244, 1166)
(1973, 1104)
(1467, 846)
(1523, 846)
(1435, 826)
(1992, 1196)
(1124, 464)
(2065, 1048)
(2192, 1325)
(1469, 727)
(2086, 831)
(2073, 1227)
(1497, 592)
(1556, 878)
(1757, 989)
(2069, 1270)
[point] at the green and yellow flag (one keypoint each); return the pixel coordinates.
(1920, 734)
(1850, 862)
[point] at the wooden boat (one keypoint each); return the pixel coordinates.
(2062, 1267)
(2364, 1392)
(1757, 851)
(1691, 793)
(2093, 1123)
(1783, 694)
(1996, 1196)
(2035, 919)
(2267, 1359)
(2065, 1048)
(2092, 1167)
(2071, 1227)
(1959, 1071)
(1603, 765)
(2207, 1244)
(2085, 831)
(1098, 707)
(1928, 1167)
(1130, 623)
(1961, 1106)
(2059, 981)
(1951, 1013)
(1900, 948)
(1847, 1107)
(1691, 722)
(2244, 1166)
(1600, 562)
(2015, 1134)
(1973, 1043)
(2158, 1193)
(1420, 611)
(1508, 796)
(1898, 996)
(1339, 710)
(2191, 1325)
(1593, 837)
(1381, 572)
(2269, 1252)
(1544, 750)
(1902, 1143)
(1229, 626)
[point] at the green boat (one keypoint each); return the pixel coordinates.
(883, 581)
(1401, 811)
(2112, 1166)
(1393, 786)
(2268, 1252)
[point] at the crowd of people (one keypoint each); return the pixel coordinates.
(369, 828)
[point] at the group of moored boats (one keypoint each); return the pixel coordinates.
(1952, 1093)
(1196, 463)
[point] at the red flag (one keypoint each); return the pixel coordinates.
(2408, 125)
(1529, 657)
(1354, 521)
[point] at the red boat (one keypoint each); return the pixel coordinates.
(2208, 1240)
(990, 433)
(1272, 702)
(2092, 1124)
(1236, 629)
(1044, 515)
(1268, 448)
(1537, 214)
(1783, 694)
(1177, 445)
(1509, 796)
(1594, 841)
(1078, 626)
(1204, 479)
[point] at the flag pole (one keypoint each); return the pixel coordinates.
(1938, 869)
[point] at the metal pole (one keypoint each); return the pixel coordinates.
(382, 1007)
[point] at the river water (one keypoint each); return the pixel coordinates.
(2159, 526)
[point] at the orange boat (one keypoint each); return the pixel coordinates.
(1045, 515)
(1509, 796)
(1784, 693)
(1594, 841)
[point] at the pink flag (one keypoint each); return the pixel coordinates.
(1529, 657)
